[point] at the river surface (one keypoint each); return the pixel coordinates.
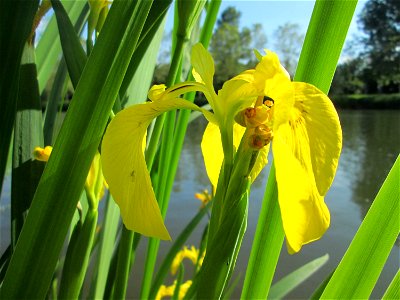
(371, 143)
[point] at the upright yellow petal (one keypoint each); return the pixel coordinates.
(125, 168)
(305, 216)
(235, 95)
(324, 132)
(211, 147)
(281, 90)
(203, 71)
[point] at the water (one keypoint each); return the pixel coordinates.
(371, 145)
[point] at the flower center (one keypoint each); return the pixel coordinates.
(258, 119)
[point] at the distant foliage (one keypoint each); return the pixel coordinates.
(288, 44)
(232, 47)
(377, 69)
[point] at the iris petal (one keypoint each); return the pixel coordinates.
(203, 71)
(324, 132)
(305, 216)
(211, 147)
(125, 168)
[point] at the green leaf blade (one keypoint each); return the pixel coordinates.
(357, 273)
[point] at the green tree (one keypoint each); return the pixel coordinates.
(348, 78)
(380, 21)
(231, 46)
(288, 45)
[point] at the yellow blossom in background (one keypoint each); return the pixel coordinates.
(95, 182)
(204, 197)
(192, 254)
(168, 291)
(42, 154)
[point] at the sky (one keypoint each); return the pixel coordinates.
(273, 13)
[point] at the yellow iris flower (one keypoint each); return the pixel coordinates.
(299, 119)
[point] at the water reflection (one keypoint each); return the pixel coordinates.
(371, 145)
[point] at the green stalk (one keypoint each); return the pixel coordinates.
(184, 114)
(320, 53)
(106, 247)
(150, 153)
(63, 179)
(267, 244)
(155, 137)
(124, 258)
(77, 257)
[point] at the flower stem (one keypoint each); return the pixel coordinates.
(267, 244)
(165, 154)
(124, 258)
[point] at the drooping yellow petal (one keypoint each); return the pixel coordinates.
(305, 216)
(324, 132)
(211, 147)
(125, 168)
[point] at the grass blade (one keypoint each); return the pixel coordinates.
(297, 277)
(359, 269)
(16, 18)
(106, 247)
(26, 170)
(75, 56)
(65, 173)
(48, 49)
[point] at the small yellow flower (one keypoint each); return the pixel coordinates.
(42, 154)
(192, 254)
(168, 291)
(204, 197)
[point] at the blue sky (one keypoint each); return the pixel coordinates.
(272, 13)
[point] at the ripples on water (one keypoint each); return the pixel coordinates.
(371, 145)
